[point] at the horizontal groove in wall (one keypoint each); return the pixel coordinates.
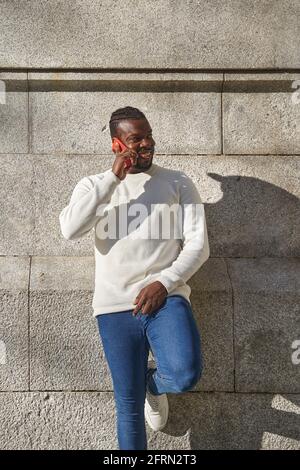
(124, 86)
(152, 70)
(151, 82)
(264, 86)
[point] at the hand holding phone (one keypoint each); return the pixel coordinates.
(122, 147)
(122, 151)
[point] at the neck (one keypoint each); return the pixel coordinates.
(134, 170)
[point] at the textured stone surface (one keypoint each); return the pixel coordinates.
(275, 129)
(232, 421)
(211, 299)
(266, 323)
(17, 215)
(208, 34)
(72, 122)
(14, 363)
(57, 421)
(13, 113)
(65, 349)
(196, 421)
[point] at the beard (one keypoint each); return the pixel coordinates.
(143, 163)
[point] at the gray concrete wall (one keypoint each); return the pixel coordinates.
(153, 34)
(236, 133)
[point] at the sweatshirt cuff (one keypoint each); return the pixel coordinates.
(111, 176)
(169, 285)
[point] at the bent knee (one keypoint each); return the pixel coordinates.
(188, 380)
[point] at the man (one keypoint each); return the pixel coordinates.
(141, 299)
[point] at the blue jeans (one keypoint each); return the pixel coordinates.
(173, 337)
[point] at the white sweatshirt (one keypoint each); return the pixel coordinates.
(137, 242)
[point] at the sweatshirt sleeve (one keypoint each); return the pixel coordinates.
(82, 212)
(195, 246)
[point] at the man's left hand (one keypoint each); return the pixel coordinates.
(150, 298)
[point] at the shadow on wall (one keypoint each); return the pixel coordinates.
(255, 218)
(235, 421)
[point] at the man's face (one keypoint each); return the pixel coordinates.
(137, 135)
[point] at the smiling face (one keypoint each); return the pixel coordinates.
(137, 135)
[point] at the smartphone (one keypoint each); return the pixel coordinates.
(128, 163)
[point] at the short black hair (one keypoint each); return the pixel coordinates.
(122, 114)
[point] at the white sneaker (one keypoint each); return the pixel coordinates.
(156, 409)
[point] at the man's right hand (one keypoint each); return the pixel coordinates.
(119, 164)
